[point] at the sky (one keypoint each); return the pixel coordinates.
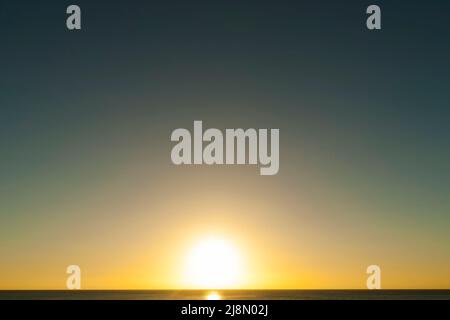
(86, 118)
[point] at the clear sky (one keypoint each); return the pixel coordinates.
(86, 118)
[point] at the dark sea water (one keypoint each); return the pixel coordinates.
(228, 295)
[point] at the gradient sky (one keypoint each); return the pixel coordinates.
(86, 118)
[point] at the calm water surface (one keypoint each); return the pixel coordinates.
(229, 295)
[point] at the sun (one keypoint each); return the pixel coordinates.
(213, 263)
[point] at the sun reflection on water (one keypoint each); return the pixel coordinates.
(213, 296)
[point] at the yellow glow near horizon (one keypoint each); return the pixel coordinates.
(213, 264)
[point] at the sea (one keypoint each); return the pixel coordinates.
(226, 295)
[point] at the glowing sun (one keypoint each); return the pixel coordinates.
(213, 264)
